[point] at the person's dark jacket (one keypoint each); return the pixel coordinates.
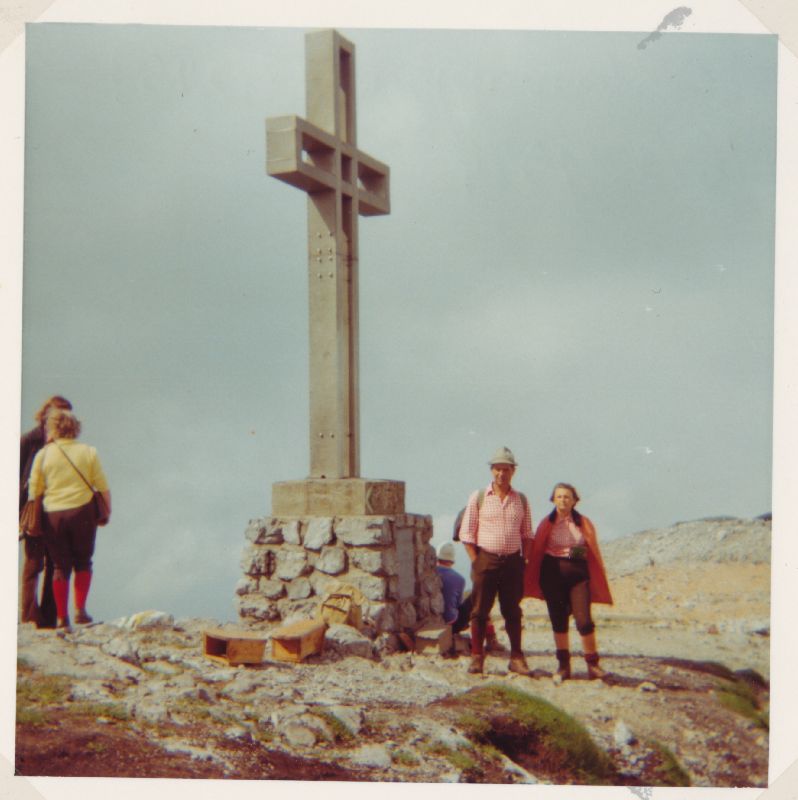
(29, 444)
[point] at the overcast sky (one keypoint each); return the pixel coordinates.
(578, 264)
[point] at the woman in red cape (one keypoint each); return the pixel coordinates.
(566, 570)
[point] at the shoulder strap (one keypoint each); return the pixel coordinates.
(74, 467)
(481, 499)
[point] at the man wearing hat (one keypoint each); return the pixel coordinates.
(456, 601)
(497, 534)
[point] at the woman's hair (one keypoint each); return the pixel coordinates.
(569, 487)
(56, 401)
(62, 424)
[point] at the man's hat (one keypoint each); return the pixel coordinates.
(503, 456)
(446, 552)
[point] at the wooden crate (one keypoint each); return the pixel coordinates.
(234, 647)
(299, 640)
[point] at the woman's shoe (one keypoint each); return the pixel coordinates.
(82, 618)
(594, 671)
(564, 669)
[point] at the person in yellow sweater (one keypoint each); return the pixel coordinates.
(66, 472)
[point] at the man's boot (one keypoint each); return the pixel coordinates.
(517, 661)
(594, 671)
(477, 665)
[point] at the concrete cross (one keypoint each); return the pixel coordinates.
(320, 155)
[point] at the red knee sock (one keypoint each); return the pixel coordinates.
(61, 594)
(82, 583)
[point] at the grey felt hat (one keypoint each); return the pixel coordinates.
(503, 456)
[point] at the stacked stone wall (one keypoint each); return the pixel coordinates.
(291, 563)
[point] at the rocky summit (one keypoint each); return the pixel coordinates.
(684, 702)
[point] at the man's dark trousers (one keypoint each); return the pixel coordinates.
(493, 574)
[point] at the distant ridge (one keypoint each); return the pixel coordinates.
(713, 540)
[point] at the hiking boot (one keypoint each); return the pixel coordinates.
(477, 665)
(518, 665)
(82, 618)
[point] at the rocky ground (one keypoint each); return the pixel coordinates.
(685, 701)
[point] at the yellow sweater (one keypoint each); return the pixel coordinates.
(54, 476)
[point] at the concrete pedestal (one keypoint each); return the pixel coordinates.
(337, 497)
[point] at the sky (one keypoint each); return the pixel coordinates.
(578, 264)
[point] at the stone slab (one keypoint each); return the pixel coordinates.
(431, 639)
(337, 497)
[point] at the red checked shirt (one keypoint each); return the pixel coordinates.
(500, 526)
(564, 535)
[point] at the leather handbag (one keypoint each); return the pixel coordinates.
(98, 503)
(31, 517)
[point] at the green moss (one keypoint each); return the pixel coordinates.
(530, 730)
(738, 696)
(669, 772)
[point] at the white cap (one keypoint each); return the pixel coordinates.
(446, 552)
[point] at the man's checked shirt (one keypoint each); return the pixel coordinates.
(498, 527)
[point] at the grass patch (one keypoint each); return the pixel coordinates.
(535, 734)
(34, 697)
(457, 758)
(91, 709)
(192, 707)
(739, 697)
(405, 758)
(46, 690)
(341, 734)
(669, 772)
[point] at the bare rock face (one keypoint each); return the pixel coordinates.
(719, 540)
(381, 714)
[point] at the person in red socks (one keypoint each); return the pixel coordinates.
(40, 612)
(66, 472)
(497, 534)
(566, 570)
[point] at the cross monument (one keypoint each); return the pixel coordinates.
(319, 154)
